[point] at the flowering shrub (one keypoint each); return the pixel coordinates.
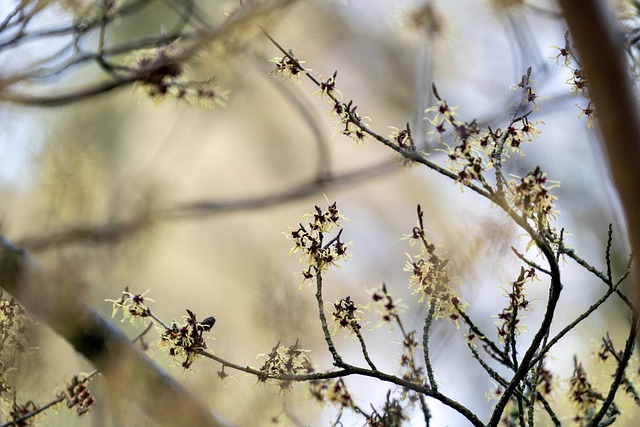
(472, 155)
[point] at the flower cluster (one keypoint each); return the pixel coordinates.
(530, 196)
(578, 80)
(403, 138)
(78, 396)
(508, 318)
(15, 324)
(581, 394)
(346, 315)
(391, 414)
(385, 305)
(429, 276)
(133, 306)
(352, 122)
(160, 78)
(519, 131)
(185, 340)
(328, 88)
(444, 116)
(283, 360)
(411, 371)
(609, 358)
(471, 150)
(287, 67)
(546, 381)
(318, 253)
(526, 84)
(331, 391)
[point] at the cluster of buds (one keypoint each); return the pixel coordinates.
(78, 396)
(318, 253)
(346, 315)
(185, 340)
(531, 197)
(133, 306)
(508, 319)
(283, 360)
(463, 157)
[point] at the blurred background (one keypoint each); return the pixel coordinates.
(204, 195)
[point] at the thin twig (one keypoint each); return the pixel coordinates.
(573, 324)
(356, 329)
(425, 344)
(337, 360)
(529, 262)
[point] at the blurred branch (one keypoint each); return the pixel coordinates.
(131, 376)
(191, 43)
(108, 233)
(323, 170)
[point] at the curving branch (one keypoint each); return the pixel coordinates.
(108, 233)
